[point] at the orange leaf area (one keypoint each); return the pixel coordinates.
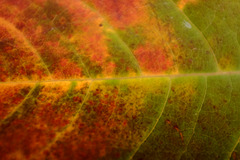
(18, 61)
(146, 55)
(49, 108)
(123, 13)
(11, 96)
(152, 36)
(182, 3)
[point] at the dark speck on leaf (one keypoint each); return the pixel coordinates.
(100, 25)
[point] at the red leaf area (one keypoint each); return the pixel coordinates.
(69, 69)
(11, 97)
(17, 60)
(93, 135)
(146, 55)
(124, 14)
(37, 124)
(62, 29)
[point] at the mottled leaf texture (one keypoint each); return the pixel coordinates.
(119, 79)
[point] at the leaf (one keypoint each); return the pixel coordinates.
(140, 79)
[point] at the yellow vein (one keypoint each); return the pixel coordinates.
(68, 127)
(134, 77)
(10, 26)
(19, 106)
(235, 146)
(165, 103)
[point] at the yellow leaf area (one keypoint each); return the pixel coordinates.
(11, 95)
(182, 3)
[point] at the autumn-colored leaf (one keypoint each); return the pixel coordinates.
(119, 79)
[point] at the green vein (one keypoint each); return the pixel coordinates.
(238, 140)
(203, 36)
(115, 35)
(154, 126)
(72, 46)
(231, 152)
(209, 23)
(198, 113)
(231, 83)
(75, 53)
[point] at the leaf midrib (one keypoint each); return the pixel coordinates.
(133, 77)
(123, 43)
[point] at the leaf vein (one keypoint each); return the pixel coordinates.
(160, 115)
(198, 113)
(203, 36)
(18, 106)
(134, 77)
(68, 127)
(124, 45)
(25, 40)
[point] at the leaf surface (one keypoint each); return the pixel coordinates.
(106, 79)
